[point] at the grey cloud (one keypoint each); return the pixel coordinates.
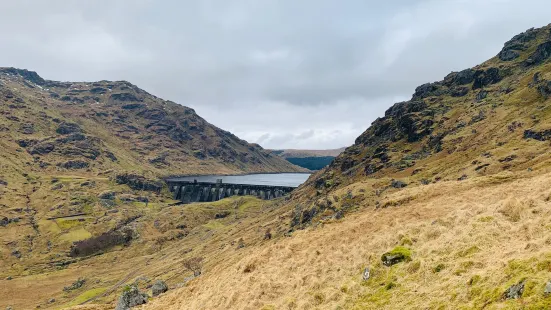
(311, 73)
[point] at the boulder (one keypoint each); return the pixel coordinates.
(547, 289)
(131, 297)
(514, 291)
(366, 274)
(158, 288)
(109, 195)
(398, 184)
(397, 255)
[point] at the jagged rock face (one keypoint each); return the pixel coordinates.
(518, 43)
(77, 126)
(459, 121)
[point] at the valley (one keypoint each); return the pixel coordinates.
(442, 203)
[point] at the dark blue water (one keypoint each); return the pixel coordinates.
(273, 179)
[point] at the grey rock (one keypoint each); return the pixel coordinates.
(390, 259)
(131, 297)
(487, 77)
(515, 291)
(16, 253)
(508, 55)
(542, 53)
(4, 221)
(51, 301)
(398, 184)
(109, 195)
(481, 95)
(76, 285)
(158, 288)
(547, 289)
(366, 274)
(74, 164)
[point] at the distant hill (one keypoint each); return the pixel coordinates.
(309, 159)
(95, 126)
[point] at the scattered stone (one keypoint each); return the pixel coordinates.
(397, 255)
(515, 291)
(76, 285)
(109, 195)
(366, 274)
(339, 214)
(398, 184)
(74, 164)
(222, 215)
(131, 297)
(463, 177)
(4, 221)
(240, 243)
(51, 301)
(481, 95)
(16, 253)
(158, 288)
(9, 278)
(547, 289)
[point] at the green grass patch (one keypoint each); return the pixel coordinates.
(76, 235)
(87, 295)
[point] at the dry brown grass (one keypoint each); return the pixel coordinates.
(469, 243)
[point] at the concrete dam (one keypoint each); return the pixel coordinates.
(193, 191)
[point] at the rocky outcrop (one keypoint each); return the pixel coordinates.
(158, 288)
(514, 291)
(541, 54)
(486, 77)
(131, 297)
(518, 43)
(139, 182)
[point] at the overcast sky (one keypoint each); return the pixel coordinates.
(283, 73)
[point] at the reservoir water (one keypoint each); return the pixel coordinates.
(271, 179)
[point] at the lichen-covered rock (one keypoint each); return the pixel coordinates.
(158, 288)
(74, 164)
(131, 297)
(138, 182)
(514, 291)
(68, 128)
(397, 255)
(487, 77)
(109, 195)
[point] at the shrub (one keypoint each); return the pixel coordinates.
(194, 264)
(102, 242)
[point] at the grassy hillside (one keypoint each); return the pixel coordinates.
(444, 200)
(443, 203)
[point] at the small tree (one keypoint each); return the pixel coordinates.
(194, 264)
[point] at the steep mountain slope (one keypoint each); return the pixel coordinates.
(451, 199)
(79, 169)
(489, 119)
(50, 126)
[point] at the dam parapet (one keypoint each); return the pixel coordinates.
(193, 191)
